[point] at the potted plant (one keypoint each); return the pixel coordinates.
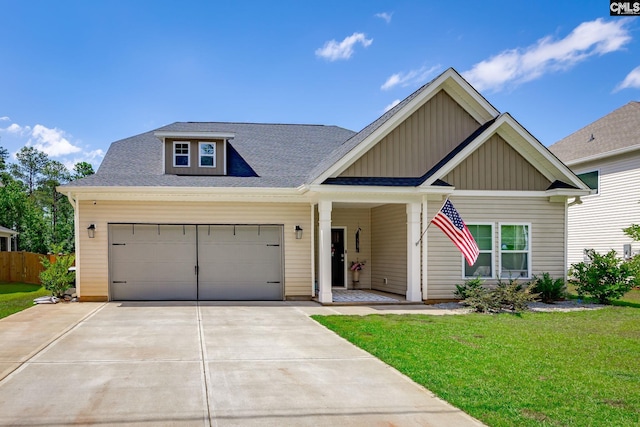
(356, 267)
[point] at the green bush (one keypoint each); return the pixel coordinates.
(56, 276)
(547, 288)
(468, 288)
(605, 277)
(510, 296)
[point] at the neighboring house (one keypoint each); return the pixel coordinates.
(6, 235)
(243, 211)
(606, 155)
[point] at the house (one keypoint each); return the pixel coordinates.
(606, 156)
(5, 238)
(245, 211)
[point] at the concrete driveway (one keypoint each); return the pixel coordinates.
(176, 364)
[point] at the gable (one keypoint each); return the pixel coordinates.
(419, 142)
(495, 165)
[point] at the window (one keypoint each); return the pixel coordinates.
(515, 251)
(208, 154)
(592, 179)
(483, 267)
(181, 154)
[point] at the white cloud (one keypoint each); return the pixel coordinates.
(384, 15)
(4, 119)
(413, 77)
(631, 81)
(94, 157)
(16, 129)
(515, 66)
(390, 106)
(333, 50)
(51, 141)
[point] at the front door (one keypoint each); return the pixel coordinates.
(337, 257)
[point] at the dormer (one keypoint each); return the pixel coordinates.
(194, 153)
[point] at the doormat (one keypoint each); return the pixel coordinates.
(343, 295)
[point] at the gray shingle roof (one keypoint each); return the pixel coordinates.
(280, 154)
(617, 130)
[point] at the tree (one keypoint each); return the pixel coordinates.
(4, 156)
(19, 212)
(82, 169)
(29, 167)
(55, 206)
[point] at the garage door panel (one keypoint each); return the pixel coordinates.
(240, 262)
(156, 262)
(153, 262)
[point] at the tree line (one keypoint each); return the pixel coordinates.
(30, 204)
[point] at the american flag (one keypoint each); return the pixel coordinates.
(449, 221)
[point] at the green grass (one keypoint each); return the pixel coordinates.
(15, 297)
(630, 299)
(556, 369)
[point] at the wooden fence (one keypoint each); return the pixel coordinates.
(22, 267)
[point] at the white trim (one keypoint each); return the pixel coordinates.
(344, 242)
(529, 250)
(313, 250)
(601, 156)
(324, 251)
(456, 86)
(164, 156)
(214, 155)
(173, 154)
(414, 291)
(224, 156)
(493, 253)
(194, 135)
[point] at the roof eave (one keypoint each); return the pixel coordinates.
(605, 155)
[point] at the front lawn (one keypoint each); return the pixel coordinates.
(15, 297)
(578, 368)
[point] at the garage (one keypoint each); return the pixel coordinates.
(195, 262)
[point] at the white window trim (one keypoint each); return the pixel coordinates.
(188, 154)
(597, 193)
(493, 252)
(215, 153)
(529, 251)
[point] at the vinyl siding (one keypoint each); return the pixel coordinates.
(495, 165)
(444, 261)
(419, 142)
(94, 263)
(352, 219)
(194, 158)
(389, 248)
(598, 222)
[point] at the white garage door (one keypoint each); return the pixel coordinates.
(191, 262)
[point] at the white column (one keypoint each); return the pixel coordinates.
(8, 243)
(324, 251)
(425, 250)
(413, 252)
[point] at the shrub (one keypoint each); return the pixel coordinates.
(56, 276)
(605, 277)
(468, 288)
(549, 290)
(510, 296)
(513, 296)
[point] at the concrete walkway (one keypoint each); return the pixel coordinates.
(188, 364)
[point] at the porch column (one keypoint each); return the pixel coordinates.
(413, 252)
(424, 244)
(324, 251)
(9, 243)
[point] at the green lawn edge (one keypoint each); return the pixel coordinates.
(15, 297)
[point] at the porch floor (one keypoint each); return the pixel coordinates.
(358, 296)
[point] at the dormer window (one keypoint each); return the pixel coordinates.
(207, 154)
(181, 154)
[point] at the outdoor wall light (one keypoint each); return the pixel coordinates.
(298, 232)
(91, 230)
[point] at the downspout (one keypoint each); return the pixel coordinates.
(576, 201)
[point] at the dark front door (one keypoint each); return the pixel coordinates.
(337, 257)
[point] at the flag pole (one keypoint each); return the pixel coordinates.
(429, 223)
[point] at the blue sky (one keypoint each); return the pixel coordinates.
(78, 75)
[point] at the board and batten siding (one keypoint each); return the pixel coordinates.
(352, 219)
(419, 142)
(93, 253)
(547, 219)
(598, 222)
(389, 248)
(495, 165)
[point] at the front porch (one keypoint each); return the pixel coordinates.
(383, 236)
